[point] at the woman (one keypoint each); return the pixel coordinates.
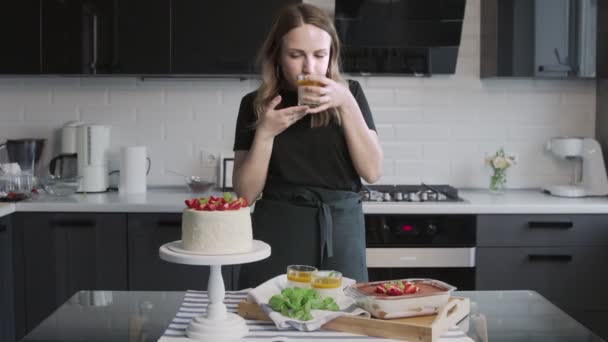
(305, 162)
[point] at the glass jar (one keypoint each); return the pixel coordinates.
(498, 181)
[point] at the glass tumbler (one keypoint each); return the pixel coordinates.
(302, 82)
(300, 275)
(327, 283)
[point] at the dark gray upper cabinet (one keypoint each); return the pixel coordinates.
(539, 38)
(91, 37)
(78, 36)
(219, 37)
(144, 37)
(20, 37)
(134, 37)
(85, 37)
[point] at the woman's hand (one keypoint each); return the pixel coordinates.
(332, 94)
(274, 121)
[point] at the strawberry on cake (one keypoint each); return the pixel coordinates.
(212, 225)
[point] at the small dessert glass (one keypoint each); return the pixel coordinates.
(302, 82)
(327, 283)
(300, 275)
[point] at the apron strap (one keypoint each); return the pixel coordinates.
(326, 225)
(326, 231)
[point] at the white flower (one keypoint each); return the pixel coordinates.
(500, 163)
(500, 160)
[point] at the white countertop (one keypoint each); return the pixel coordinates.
(528, 201)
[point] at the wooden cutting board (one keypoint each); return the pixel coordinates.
(422, 328)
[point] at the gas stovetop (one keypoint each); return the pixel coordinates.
(410, 193)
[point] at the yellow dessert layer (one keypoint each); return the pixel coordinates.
(300, 277)
(326, 283)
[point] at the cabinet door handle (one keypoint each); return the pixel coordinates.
(550, 257)
(3, 228)
(169, 223)
(94, 61)
(73, 223)
(550, 224)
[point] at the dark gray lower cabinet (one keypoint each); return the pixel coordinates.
(147, 232)
(67, 252)
(7, 281)
(46, 257)
(568, 276)
(562, 257)
(595, 319)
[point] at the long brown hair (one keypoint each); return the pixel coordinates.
(290, 17)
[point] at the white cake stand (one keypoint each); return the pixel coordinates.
(219, 324)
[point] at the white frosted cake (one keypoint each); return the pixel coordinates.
(217, 232)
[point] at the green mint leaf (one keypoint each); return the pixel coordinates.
(316, 304)
(332, 307)
(297, 302)
(276, 302)
(228, 197)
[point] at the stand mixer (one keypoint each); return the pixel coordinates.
(585, 153)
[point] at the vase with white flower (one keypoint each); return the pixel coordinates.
(499, 163)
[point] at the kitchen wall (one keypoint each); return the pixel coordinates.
(436, 130)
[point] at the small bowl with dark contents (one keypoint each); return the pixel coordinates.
(198, 184)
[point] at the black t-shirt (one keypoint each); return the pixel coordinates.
(302, 155)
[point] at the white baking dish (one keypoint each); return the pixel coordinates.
(433, 295)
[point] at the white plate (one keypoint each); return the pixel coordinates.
(172, 252)
(177, 246)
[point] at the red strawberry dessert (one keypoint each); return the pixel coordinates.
(397, 288)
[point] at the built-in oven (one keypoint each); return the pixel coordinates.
(422, 246)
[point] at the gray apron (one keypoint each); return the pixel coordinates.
(308, 226)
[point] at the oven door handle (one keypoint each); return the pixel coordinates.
(421, 257)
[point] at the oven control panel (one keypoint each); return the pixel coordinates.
(420, 230)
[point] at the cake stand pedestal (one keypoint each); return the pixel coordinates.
(218, 324)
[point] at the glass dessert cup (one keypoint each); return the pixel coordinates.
(327, 283)
(300, 275)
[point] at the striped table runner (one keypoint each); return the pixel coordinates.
(195, 302)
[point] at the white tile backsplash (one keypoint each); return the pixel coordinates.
(11, 112)
(436, 129)
(79, 96)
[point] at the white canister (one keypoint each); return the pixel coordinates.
(133, 170)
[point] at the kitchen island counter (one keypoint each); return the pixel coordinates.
(144, 316)
(6, 208)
